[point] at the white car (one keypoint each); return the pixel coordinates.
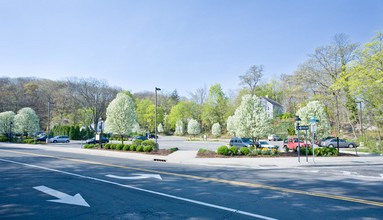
(267, 145)
(273, 137)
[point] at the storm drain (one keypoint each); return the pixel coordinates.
(159, 160)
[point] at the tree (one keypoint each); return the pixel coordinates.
(251, 119)
(160, 128)
(26, 121)
(317, 109)
(252, 77)
(215, 108)
(365, 80)
(193, 127)
(216, 129)
(183, 110)
(231, 128)
(6, 119)
(179, 130)
(120, 115)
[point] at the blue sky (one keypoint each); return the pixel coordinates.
(173, 44)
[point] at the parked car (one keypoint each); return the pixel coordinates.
(273, 137)
(94, 141)
(140, 138)
(319, 142)
(241, 142)
(292, 144)
(342, 143)
(267, 145)
(59, 139)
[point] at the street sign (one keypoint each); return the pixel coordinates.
(302, 127)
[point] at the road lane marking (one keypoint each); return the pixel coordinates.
(136, 176)
(139, 189)
(63, 197)
(231, 182)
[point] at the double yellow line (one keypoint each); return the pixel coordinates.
(231, 182)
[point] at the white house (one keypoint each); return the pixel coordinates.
(273, 108)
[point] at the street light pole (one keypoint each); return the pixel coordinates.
(360, 117)
(297, 119)
(155, 117)
(10, 131)
(100, 137)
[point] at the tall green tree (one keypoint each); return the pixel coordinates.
(6, 120)
(215, 108)
(317, 109)
(184, 110)
(120, 115)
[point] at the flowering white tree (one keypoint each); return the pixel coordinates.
(317, 109)
(179, 128)
(121, 115)
(5, 121)
(27, 121)
(160, 128)
(250, 118)
(216, 129)
(193, 127)
(230, 125)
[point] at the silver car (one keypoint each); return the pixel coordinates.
(241, 142)
(333, 143)
(59, 139)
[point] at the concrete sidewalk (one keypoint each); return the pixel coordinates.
(189, 157)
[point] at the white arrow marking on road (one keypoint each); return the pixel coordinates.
(136, 177)
(62, 197)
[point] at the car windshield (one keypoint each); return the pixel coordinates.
(264, 142)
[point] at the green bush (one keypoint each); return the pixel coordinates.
(173, 149)
(119, 146)
(126, 147)
(148, 148)
(29, 141)
(140, 148)
(3, 139)
(133, 147)
(107, 146)
(89, 146)
(233, 150)
(137, 142)
(149, 143)
(244, 151)
(223, 150)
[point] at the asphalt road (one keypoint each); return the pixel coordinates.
(39, 184)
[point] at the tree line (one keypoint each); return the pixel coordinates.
(345, 77)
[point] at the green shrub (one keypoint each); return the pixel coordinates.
(126, 147)
(149, 143)
(148, 148)
(89, 146)
(107, 146)
(137, 142)
(244, 151)
(233, 150)
(173, 149)
(223, 150)
(29, 141)
(140, 148)
(119, 146)
(133, 147)
(3, 139)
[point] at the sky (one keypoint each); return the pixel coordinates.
(173, 44)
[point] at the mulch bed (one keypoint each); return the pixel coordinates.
(211, 154)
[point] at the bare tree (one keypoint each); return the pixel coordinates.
(252, 77)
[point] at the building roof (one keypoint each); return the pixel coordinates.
(272, 102)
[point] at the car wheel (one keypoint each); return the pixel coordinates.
(54, 141)
(67, 141)
(330, 146)
(351, 146)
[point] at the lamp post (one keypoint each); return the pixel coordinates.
(100, 137)
(10, 131)
(360, 117)
(155, 118)
(297, 120)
